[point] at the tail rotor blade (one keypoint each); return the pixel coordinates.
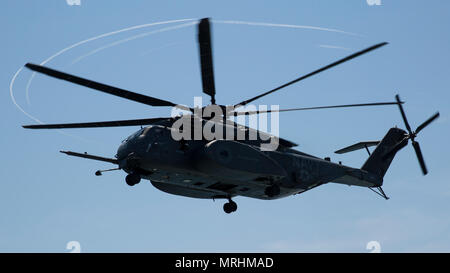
(420, 157)
(427, 122)
(397, 97)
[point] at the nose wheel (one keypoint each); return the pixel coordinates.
(132, 179)
(230, 207)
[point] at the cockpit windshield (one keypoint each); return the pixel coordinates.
(136, 134)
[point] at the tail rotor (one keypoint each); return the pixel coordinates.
(412, 135)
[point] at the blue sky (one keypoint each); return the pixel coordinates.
(48, 199)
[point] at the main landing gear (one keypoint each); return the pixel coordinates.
(133, 179)
(230, 207)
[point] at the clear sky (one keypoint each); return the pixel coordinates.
(48, 199)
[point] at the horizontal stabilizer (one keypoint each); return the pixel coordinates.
(357, 146)
(94, 157)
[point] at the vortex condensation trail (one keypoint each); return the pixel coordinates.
(214, 21)
(334, 47)
(11, 84)
(142, 35)
(284, 26)
(96, 38)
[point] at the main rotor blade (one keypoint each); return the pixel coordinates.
(102, 87)
(314, 108)
(354, 55)
(420, 157)
(397, 97)
(206, 59)
(116, 123)
(427, 122)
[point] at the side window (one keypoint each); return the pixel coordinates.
(145, 131)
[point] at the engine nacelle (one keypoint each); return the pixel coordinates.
(237, 161)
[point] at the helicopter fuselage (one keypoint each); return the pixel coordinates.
(223, 168)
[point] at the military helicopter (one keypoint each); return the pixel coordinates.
(223, 168)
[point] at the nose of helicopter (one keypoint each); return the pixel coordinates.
(131, 145)
(122, 151)
(140, 145)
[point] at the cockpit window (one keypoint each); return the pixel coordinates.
(138, 133)
(146, 131)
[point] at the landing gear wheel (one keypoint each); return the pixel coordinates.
(230, 207)
(132, 179)
(272, 191)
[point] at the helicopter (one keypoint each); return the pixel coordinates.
(223, 168)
